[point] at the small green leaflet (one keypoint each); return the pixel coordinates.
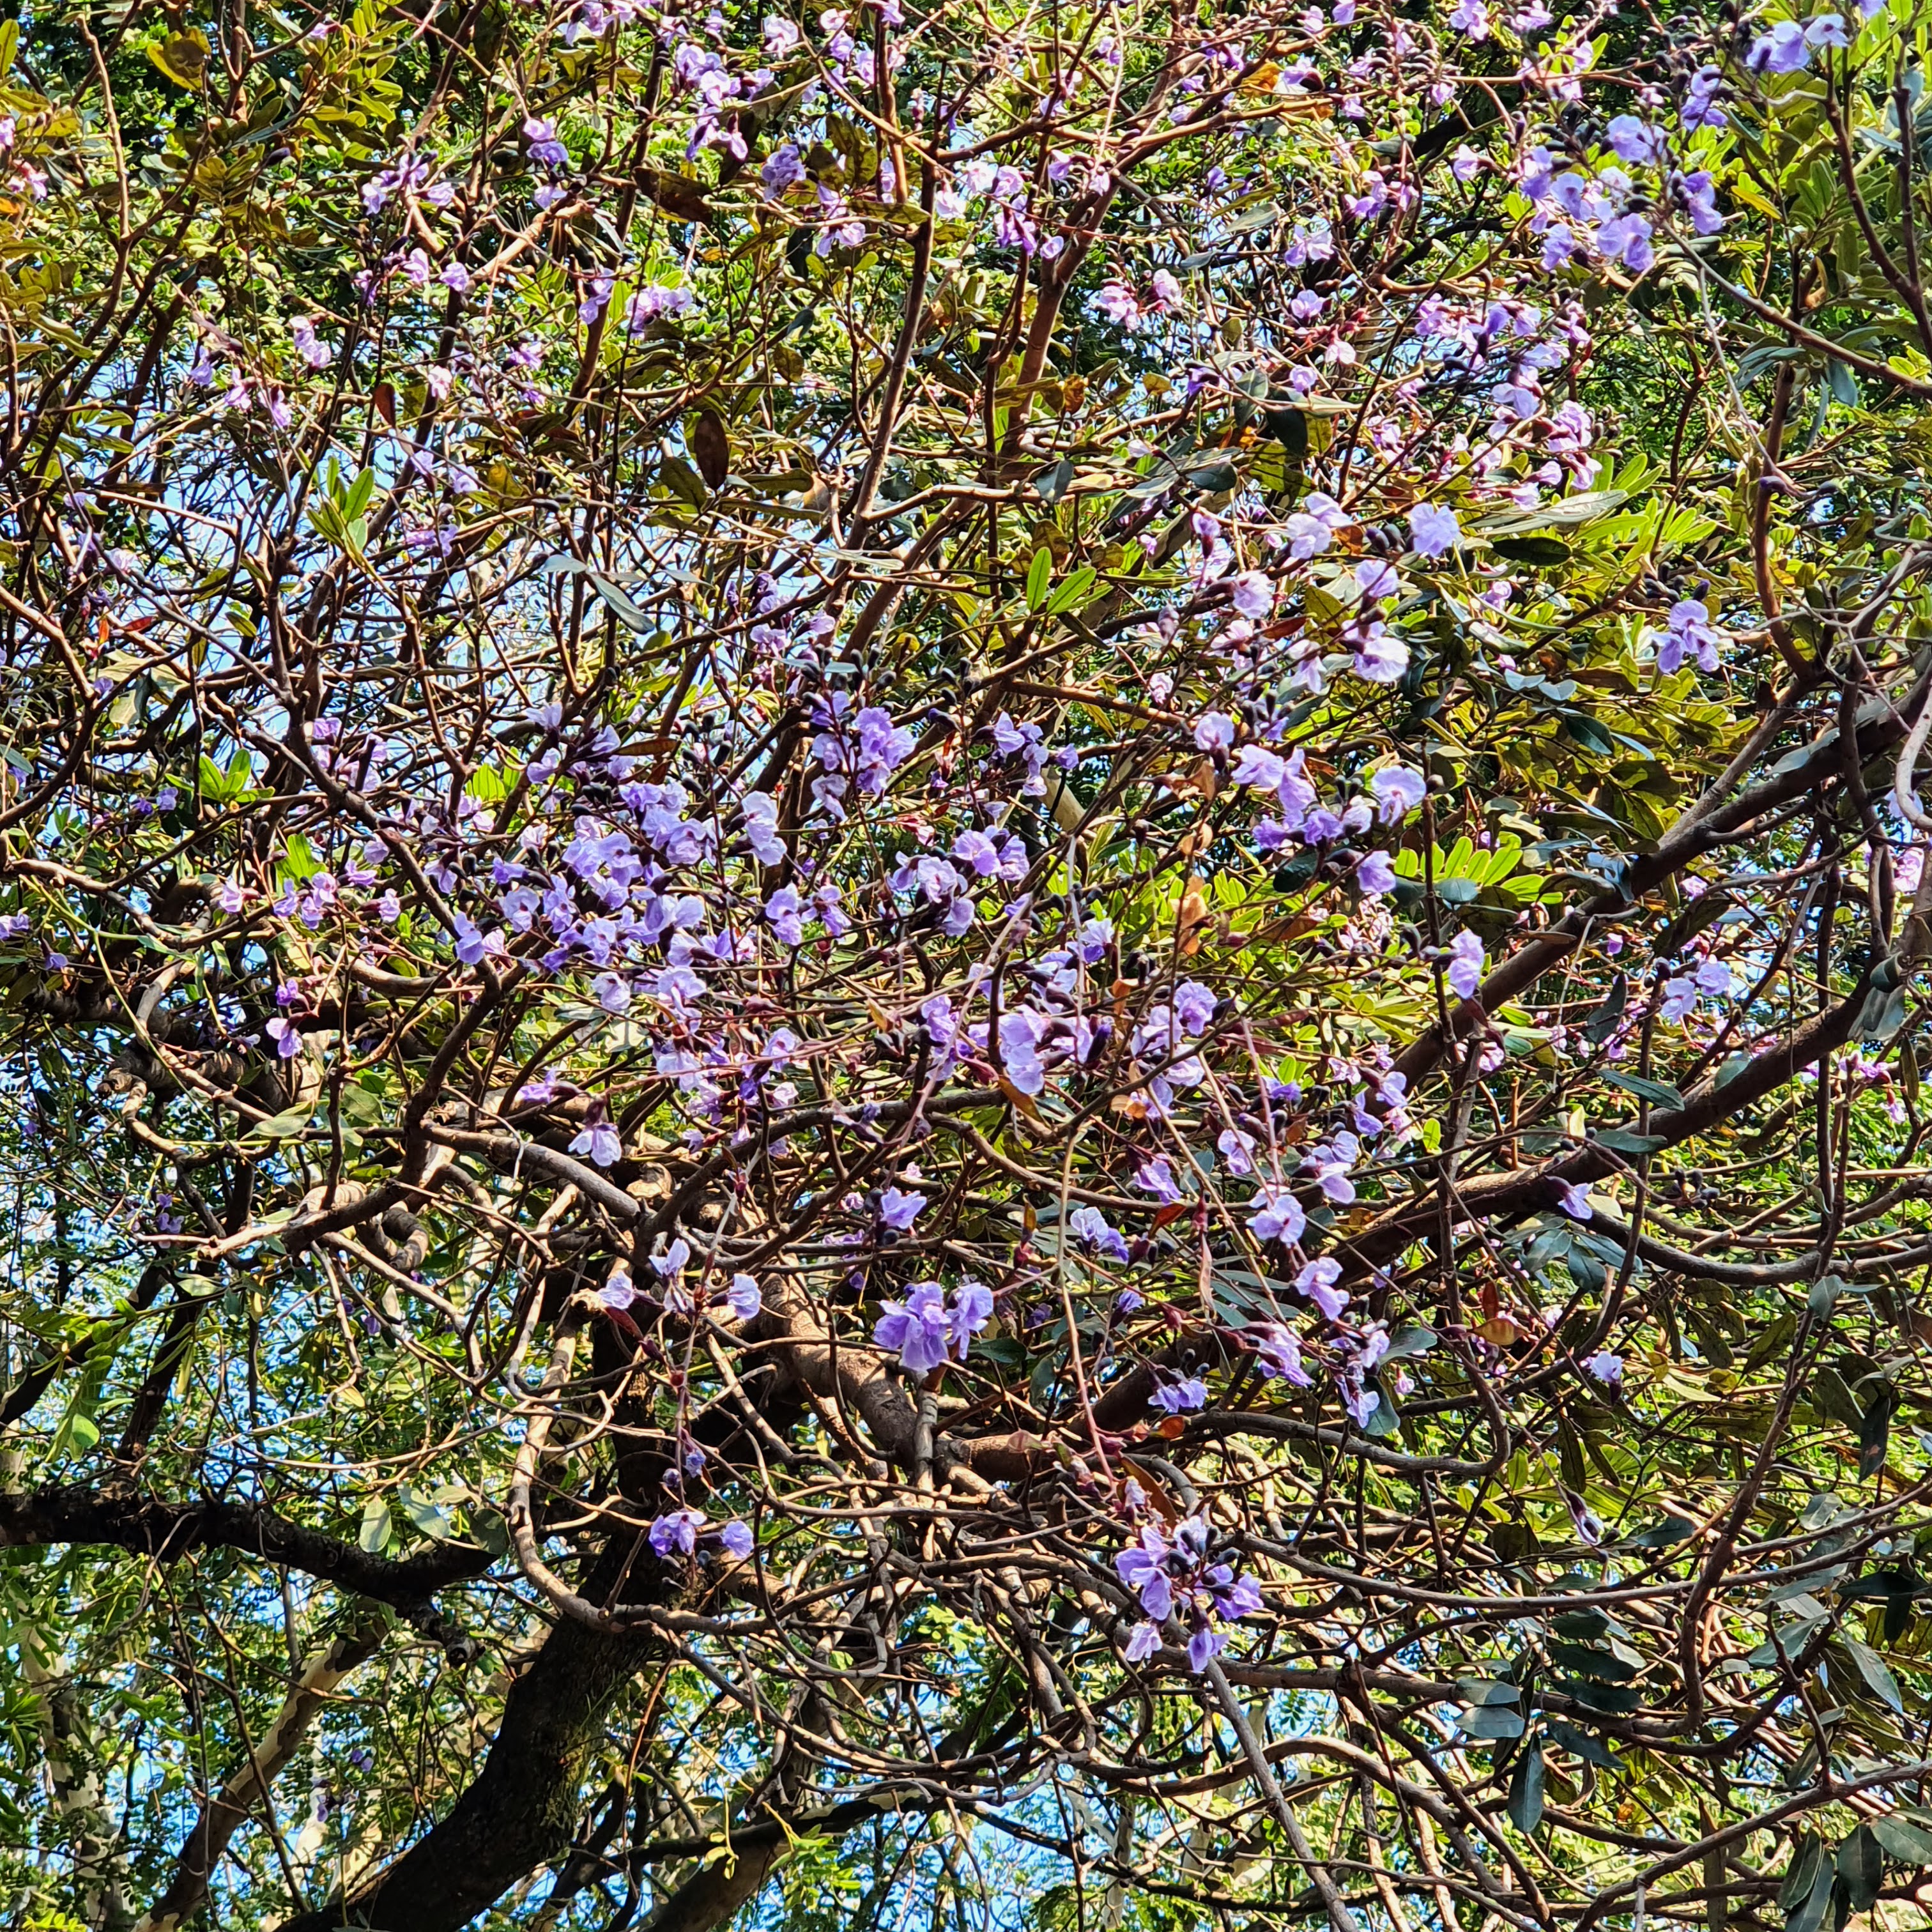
(1069, 592)
(1039, 573)
(299, 862)
(229, 787)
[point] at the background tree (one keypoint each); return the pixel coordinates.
(961, 966)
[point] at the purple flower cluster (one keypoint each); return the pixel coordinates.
(1174, 1577)
(927, 1330)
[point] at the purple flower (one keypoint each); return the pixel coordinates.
(315, 353)
(1688, 634)
(653, 303)
(612, 992)
(786, 912)
(1143, 1640)
(923, 1329)
(472, 943)
(288, 1041)
(1633, 141)
(1626, 239)
(675, 1533)
(1783, 50)
(916, 1327)
(546, 150)
(735, 1540)
(598, 1138)
(1699, 109)
(782, 169)
(1398, 791)
(1280, 1351)
(1194, 1005)
(1317, 1281)
(1088, 1225)
(1375, 875)
(745, 1297)
(1277, 1216)
(1176, 1397)
(1576, 1203)
(1256, 765)
(899, 1210)
(1142, 1568)
(1606, 1368)
(1233, 1596)
(1213, 731)
(972, 1309)
(1156, 1178)
(1204, 1646)
(1435, 529)
(1253, 593)
(1465, 965)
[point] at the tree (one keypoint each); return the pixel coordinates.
(964, 966)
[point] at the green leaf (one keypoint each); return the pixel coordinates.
(683, 482)
(284, 1126)
(79, 1433)
(1039, 573)
(1525, 1791)
(1910, 1844)
(491, 1529)
(1616, 1700)
(1623, 1140)
(1588, 732)
(1665, 1535)
(1070, 592)
(1495, 1722)
(1580, 1744)
(1808, 1914)
(1410, 1341)
(1862, 1867)
(1541, 553)
(487, 785)
(1052, 484)
(1601, 1665)
(1875, 1431)
(1701, 912)
(299, 858)
(1584, 1268)
(360, 491)
(621, 605)
(1658, 1093)
(1603, 1022)
(376, 1530)
(1486, 1690)
(1801, 1874)
(1879, 1679)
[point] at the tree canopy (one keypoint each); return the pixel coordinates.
(959, 965)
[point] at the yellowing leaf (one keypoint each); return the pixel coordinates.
(184, 57)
